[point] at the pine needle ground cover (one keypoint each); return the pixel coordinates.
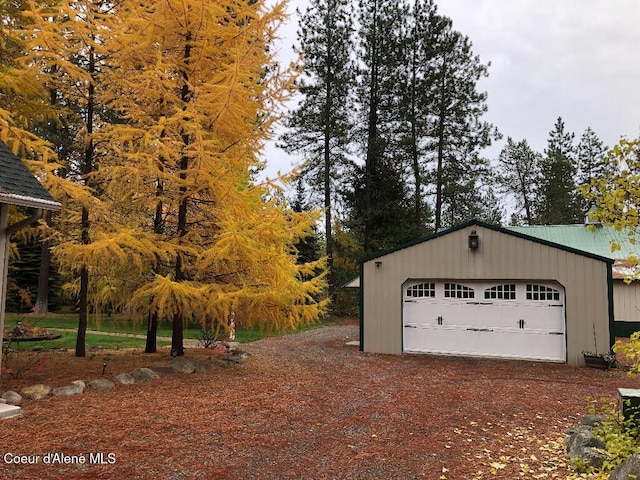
(308, 406)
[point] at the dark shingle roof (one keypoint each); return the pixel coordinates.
(18, 186)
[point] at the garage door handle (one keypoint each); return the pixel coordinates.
(480, 329)
(555, 305)
(410, 326)
(556, 333)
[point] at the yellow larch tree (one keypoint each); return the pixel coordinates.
(67, 44)
(198, 91)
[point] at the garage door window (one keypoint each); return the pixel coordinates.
(540, 292)
(501, 292)
(455, 290)
(422, 290)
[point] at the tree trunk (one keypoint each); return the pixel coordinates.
(441, 139)
(87, 168)
(152, 334)
(42, 299)
(327, 175)
(372, 137)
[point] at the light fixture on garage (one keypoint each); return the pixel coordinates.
(378, 264)
(474, 240)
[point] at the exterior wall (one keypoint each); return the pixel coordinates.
(500, 256)
(626, 301)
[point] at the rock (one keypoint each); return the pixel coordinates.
(593, 420)
(68, 390)
(100, 384)
(627, 470)
(80, 383)
(2, 401)
(581, 437)
(184, 365)
(144, 374)
(581, 443)
(12, 398)
(36, 392)
(125, 378)
(238, 356)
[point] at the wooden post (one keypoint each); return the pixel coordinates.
(4, 265)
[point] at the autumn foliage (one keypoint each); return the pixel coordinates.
(171, 103)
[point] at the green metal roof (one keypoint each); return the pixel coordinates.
(18, 186)
(592, 239)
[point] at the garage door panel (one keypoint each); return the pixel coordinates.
(493, 319)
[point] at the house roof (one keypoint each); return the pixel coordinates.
(521, 234)
(595, 239)
(18, 186)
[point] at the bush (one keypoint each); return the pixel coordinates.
(631, 351)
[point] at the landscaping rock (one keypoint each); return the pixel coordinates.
(36, 392)
(593, 420)
(80, 383)
(184, 365)
(12, 398)
(582, 443)
(2, 401)
(144, 374)
(100, 384)
(627, 470)
(125, 378)
(68, 390)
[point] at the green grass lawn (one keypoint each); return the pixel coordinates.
(52, 322)
(67, 340)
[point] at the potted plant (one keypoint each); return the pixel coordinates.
(602, 361)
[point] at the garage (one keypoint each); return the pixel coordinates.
(482, 290)
(505, 319)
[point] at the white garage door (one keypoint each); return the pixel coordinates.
(504, 319)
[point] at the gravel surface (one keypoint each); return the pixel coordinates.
(307, 406)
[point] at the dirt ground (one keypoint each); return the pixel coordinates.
(303, 406)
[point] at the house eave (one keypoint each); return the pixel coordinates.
(24, 201)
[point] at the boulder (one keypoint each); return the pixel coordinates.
(581, 443)
(185, 365)
(627, 470)
(36, 392)
(80, 383)
(593, 420)
(100, 384)
(12, 398)
(144, 374)
(125, 378)
(68, 390)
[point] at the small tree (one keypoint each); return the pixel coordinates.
(616, 196)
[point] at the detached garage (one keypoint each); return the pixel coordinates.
(481, 290)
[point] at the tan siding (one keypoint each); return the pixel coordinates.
(626, 299)
(500, 256)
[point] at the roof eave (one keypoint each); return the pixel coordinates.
(24, 201)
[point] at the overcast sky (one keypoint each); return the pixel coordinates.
(578, 59)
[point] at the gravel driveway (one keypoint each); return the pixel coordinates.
(307, 406)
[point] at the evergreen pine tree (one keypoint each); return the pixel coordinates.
(320, 127)
(380, 194)
(592, 165)
(557, 200)
(518, 176)
(459, 132)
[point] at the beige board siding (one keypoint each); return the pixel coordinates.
(626, 301)
(501, 257)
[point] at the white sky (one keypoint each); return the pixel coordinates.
(578, 59)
